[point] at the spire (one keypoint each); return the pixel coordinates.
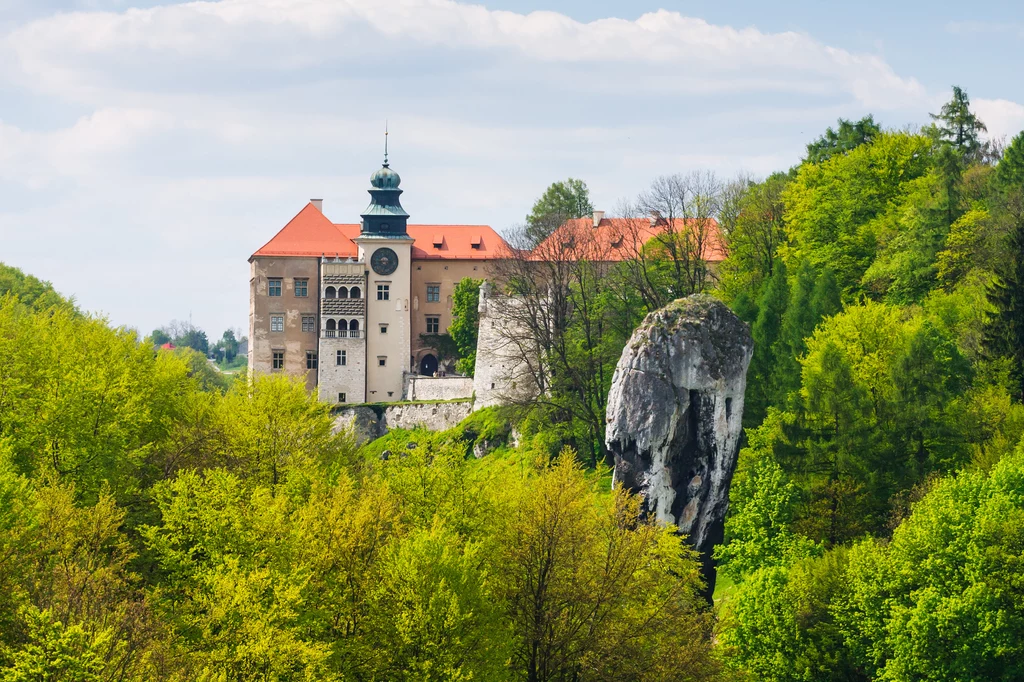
(385, 217)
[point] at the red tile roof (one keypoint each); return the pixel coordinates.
(311, 233)
(616, 239)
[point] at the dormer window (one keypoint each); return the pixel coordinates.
(476, 242)
(438, 241)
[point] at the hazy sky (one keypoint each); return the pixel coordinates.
(147, 149)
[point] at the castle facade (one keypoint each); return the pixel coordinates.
(346, 306)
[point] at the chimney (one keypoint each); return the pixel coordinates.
(318, 203)
(598, 217)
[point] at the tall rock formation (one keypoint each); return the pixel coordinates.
(675, 414)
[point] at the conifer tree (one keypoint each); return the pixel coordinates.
(767, 333)
(959, 126)
(1006, 335)
(826, 299)
(797, 323)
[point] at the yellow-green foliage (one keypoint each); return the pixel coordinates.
(835, 210)
(153, 526)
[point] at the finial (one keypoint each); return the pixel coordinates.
(385, 143)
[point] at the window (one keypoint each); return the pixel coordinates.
(275, 287)
(342, 292)
(433, 324)
(277, 323)
(383, 292)
(433, 293)
(342, 398)
(341, 358)
(382, 361)
(330, 292)
(310, 359)
(309, 324)
(301, 287)
(354, 292)
(278, 359)
(383, 329)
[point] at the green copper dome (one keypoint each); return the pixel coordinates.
(385, 178)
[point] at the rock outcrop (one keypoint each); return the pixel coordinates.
(675, 413)
(361, 421)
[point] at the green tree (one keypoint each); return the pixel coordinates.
(1010, 171)
(834, 209)
(275, 428)
(228, 345)
(465, 325)
(798, 321)
(762, 389)
(1006, 336)
(943, 599)
(762, 501)
(194, 338)
(959, 126)
(561, 201)
(29, 290)
(439, 620)
(57, 652)
(908, 236)
(882, 396)
(850, 135)
(755, 239)
(597, 592)
(159, 337)
(781, 628)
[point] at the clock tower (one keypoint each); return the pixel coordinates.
(386, 248)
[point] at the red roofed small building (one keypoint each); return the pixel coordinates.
(609, 240)
(344, 304)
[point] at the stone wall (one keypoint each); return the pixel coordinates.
(438, 388)
(368, 423)
(432, 416)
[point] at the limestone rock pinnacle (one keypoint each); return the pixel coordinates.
(675, 413)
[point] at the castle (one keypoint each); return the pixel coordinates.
(345, 305)
(348, 306)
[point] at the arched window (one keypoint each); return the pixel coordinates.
(342, 292)
(354, 325)
(329, 293)
(343, 324)
(354, 292)
(331, 325)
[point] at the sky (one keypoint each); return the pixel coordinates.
(148, 148)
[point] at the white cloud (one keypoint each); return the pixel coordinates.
(36, 158)
(81, 52)
(1002, 117)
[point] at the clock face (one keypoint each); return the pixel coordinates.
(384, 261)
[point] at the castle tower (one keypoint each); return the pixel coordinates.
(385, 245)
